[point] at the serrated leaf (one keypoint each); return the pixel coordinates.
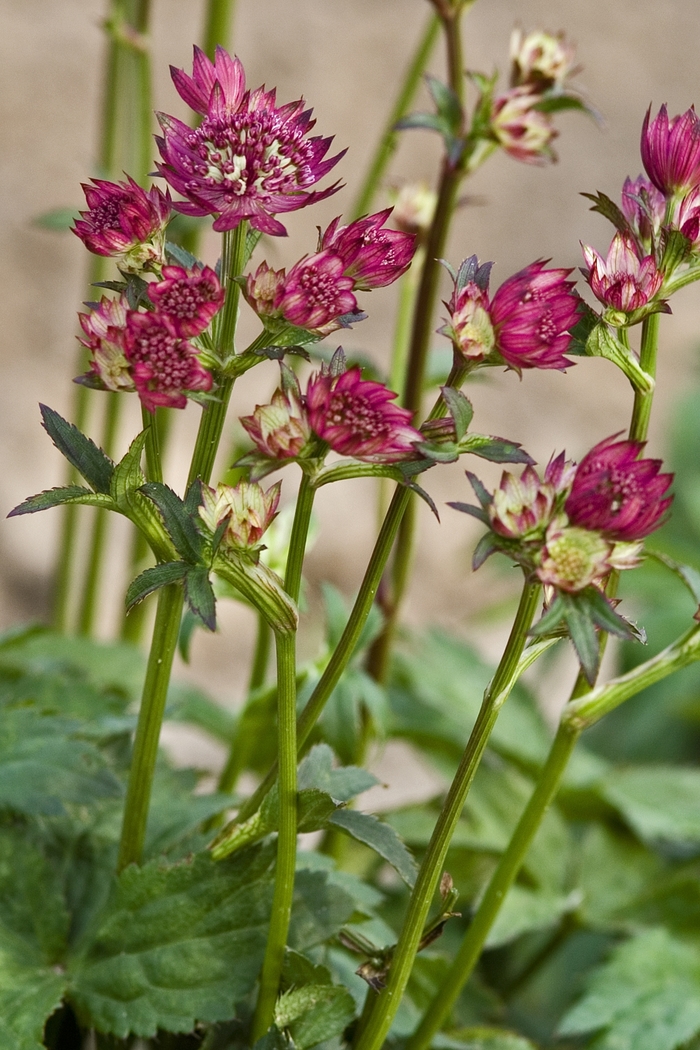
(460, 408)
(89, 460)
(495, 449)
(660, 803)
(484, 549)
(152, 579)
(602, 613)
(180, 256)
(128, 476)
(525, 910)
(380, 837)
(181, 528)
(468, 508)
(320, 908)
(480, 1038)
(58, 496)
(425, 121)
(646, 997)
(587, 321)
(199, 595)
(610, 210)
(175, 944)
(189, 704)
(320, 1012)
(446, 102)
(343, 783)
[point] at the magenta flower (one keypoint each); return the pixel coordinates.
(523, 131)
(372, 256)
(533, 313)
(354, 417)
(625, 281)
(248, 158)
(164, 366)
(686, 216)
(315, 293)
(190, 298)
(104, 328)
(247, 509)
(125, 221)
(617, 493)
(281, 429)
(671, 150)
(643, 206)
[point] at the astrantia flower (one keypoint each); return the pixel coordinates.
(104, 329)
(522, 508)
(414, 207)
(686, 216)
(671, 150)
(524, 132)
(125, 221)
(281, 429)
(573, 558)
(617, 493)
(164, 366)
(625, 280)
(261, 289)
(190, 298)
(643, 206)
(470, 326)
(354, 417)
(372, 256)
(316, 292)
(533, 313)
(248, 158)
(538, 58)
(247, 509)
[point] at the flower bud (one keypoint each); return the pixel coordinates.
(671, 151)
(372, 256)
(572, 558)
(522, 508)
(281, 429)
(540, 59)
(524, 132)
(246, 508)
(624, 281)
(104, 328)
(414, 207)
(470, 327)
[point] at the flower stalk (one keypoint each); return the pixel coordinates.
(641, 411)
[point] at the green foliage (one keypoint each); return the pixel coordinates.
(380, 837)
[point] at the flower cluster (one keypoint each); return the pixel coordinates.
(318, 292)
(125, 222)
(526, 324)
(248, 158)
(149, 350)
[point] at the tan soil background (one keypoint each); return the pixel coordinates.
(346, 58)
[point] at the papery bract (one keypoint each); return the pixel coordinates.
(104, 329)
(248, 158)
(573, 558)
(470, 326)
(262, 288)
(247, 509)
(533, 313)
(190, 298)
(354, 416)
(125, 221)
(372, 256)
(624, 280)
(281, 429)
(164, 366)
(644, 207)
(522, 508)
(671, 150)
(523, 131)
(618, 494)
(539, 58)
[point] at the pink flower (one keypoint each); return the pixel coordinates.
(643, 206)
(617, 493)
(522, 508)
(164, 366)
(625, 281)
(354, 417)
(248, 158)
(247, 509)
(671, 150)
(522, 130)
(470, 327)
(538, 58)
(373, 257)
(315, 293)
(104, 328)
(125, 221)
(686, 216)
(573, 558)
(532, 314)
(190, 298)
(281, 429)
(262, 288)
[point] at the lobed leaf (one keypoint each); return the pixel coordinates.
(152, 579)
(58, 496)
(89, 460)
(181, 528)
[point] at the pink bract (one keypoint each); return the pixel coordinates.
(280, 429)
(624, 280)
(671, 150)
(163, 365)
(123, 217)
(354, 417)
(618, 494)
(533, 313)
(315, 292)
(249, 158)
(373, 256)
(644, 206)
(190, 298)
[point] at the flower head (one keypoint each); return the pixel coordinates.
(190, 298)
(104, 329)
(522, 508)
(573, 558)
(541, 59)
(522, 130)
(414, 207)
(617, 493)
(262, 288)
(281, 429)
(372, 256)
(164, 366)
(533, 313)
(248, 158)
(643, 206)
(354, 417)
(470, 327)
(316, 292)
(686, 216)
(625, 280)
(125, 221)
(671, 150)
(247, 509)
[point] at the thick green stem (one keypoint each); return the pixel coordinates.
(286, 839)
(155, 690)
(238, 750)
(297, 540)
(431, 869)
(389, 140)
(217, 28)
(641, 412)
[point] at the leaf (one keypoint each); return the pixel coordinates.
(314, 1013)
(603, 615)
(180, 256)
(460, 409)
(79, 450)
(128, 476)
(175, 944)
(646, 997)
(609, 210)
(343, 783)
(613, 870)
(686, 573)
(495, 449)
(467, 508)
(57, 497)
(446, 102)
(582, 632)
(380, 837)
(482, 1039)
(426, 121)
(525, 910)
(660, 803)
(188, 704)
(320, 908)
(59, 219)
(588, 319)
(181, 528)
(152, 578)
(602, 342)
(199, 595)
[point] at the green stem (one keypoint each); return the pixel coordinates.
(389, 140)
(155, 689)
(238, 750)
(408, 290)
(286, 839)
(496, 693)
(641, 412)
(297, 540)
(217, 29)
(151, 424)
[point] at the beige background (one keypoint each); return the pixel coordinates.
(345, 57)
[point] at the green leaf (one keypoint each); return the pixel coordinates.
(482, 1039)
(152, 578)
(320, 908)
(175, 945)
(660, 803)
(314, 1013)
(613, 870)
(686, 573)
(344, 783)
(609, 210)
(380, 837)
(181, 528)
(199, 595)
(460, 409)
(59, 219)
(57, 497)
(28, 997)
(446, 102)
(188, 704)
(588, 319)
(583, 635)
(602, 342)
(128, 476)
(603, 615)
(495, 449)
(646, 997)
(79, 450)
(525, 910)
(180, 256)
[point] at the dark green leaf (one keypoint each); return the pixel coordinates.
(180, 256)
(320, 908)
(180, 526)
(588, 319)
(484, 549)
(380, 837)
(314, 1013)
(128, 476)
(60, 219)
(56, 497)
(188, 704)
(154, 577)
(602, 613)
(446, 103)
(79, 450)
(343, 784)
(686, 573)
(251, 239)
(315, 808)
(460, 409)
(468, 508)
(583, 635)
(495, 449)
(556, 103)
(660, 803)
(525, 910)
(483, 1039)
(609, 210)
(199, 595)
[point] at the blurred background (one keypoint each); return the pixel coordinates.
(347, 59)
